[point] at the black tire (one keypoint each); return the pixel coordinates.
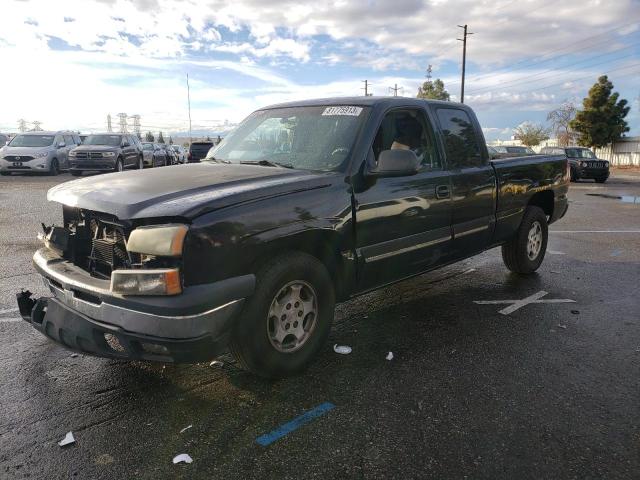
(55, 168)
(76, 173)
(515, 253)
(5, 174)
(140, 163)
(119, 166)
(574, 177)
(601, 179)
(250, 340)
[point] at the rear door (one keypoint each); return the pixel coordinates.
(472, 179)
(403, 223)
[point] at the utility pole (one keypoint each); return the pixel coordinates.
(395, 89)
(429, 70)
(464, 58)
(109, 127)
(366, 88)
(136, 125)
(22, 125)
(189, 104)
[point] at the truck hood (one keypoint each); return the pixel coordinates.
(96, 148)
(7, 150)
(182, 190)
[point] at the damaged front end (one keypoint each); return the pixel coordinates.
(117, 290)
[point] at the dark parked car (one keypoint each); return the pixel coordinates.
(106, 152)
(306, 204)
(507, 151)
(583, 163)
(198, 151)
(154, 155)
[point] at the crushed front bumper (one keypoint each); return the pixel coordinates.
(83, 315)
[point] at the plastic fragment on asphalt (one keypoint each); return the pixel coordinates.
(182, 458)
(561, 326)
(67, 440)
(554, 271)
(186, 428)
(575, 312)
(389, 356)
(216, 363)
(74, 355)
(342, 349)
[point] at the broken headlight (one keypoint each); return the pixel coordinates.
(160, 240)
(146, 282)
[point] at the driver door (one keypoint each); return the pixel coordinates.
(403, 224)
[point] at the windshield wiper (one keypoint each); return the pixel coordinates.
(217, 160)
(266, 163)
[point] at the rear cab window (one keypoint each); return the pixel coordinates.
(461, 142)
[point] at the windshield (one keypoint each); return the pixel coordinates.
(110, 140)
(32, 140)
(311, 138)
(519, 150)
(147, 146)
(580, 153)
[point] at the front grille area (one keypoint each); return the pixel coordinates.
(98, 242)
(88, 155)
(18, 158)
(595, 164)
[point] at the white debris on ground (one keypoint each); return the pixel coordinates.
(67, 440)
(342, 349)
(216, 363)
(186, 428)
(74, 355)
(389, 356)
(182, 458)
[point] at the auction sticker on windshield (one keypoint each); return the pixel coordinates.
(344, 110)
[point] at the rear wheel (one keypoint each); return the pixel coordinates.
(574, 177)
(54, 169)
(287, 320)
(525, 251)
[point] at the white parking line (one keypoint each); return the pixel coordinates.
(555, 252)
(516, 304)
(10, 320)
(8, 310)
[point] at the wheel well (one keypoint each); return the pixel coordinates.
(322, 245)
(544, 200)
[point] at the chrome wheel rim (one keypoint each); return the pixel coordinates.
(292, 316)
(534, 241)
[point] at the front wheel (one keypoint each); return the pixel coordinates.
(525, 251)
(54, 169)
(119, 167)
(287, 319)
(140, 163)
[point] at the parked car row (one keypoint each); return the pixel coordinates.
(53, 152)
(582, 161)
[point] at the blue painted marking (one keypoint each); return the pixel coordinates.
(616, 253)
(294, 424)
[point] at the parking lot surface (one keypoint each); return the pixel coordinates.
(538, 380)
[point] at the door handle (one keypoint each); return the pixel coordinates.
(442, 191)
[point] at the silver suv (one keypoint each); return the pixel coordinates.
(45, 152)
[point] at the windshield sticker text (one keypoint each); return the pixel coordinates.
(345, 110)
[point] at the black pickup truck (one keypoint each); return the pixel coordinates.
(302, 206)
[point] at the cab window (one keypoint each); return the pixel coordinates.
(460, 139)
(408, 129)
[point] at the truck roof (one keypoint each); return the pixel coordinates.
(364, 102)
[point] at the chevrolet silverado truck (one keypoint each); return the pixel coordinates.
(304, 205)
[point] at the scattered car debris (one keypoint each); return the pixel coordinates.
(575, 312)
(67, 440)
(389, 356)
(74, 355)
(554, 271)
(182, 458)
(216, 363)
(186, 428)
(561, 326)
(342, 349)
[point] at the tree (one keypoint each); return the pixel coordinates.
(601, 120)
(531, 134)
(149, 137)
(160, 138)
(560, 119)
(433, 90)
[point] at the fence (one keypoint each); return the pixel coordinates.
(624, 152)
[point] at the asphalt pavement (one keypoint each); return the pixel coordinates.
(549, 388)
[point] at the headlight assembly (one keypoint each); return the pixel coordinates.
(72, 153)
(40, 154)
(108, 154)
(159, 240)
(164, 281)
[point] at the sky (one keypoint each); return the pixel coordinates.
(67, 64)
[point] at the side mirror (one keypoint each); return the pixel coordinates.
(61, 144)
(395, 163)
